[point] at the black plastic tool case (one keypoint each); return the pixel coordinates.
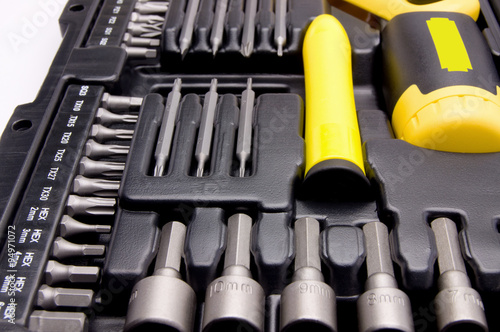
(44, 142)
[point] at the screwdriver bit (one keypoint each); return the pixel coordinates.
(130, 40)
(111, 102)
(308, 300)
(383, 306)
(56, 272)
(105, 117)
(93, 168)
(280, 26)
(97, 150)
(92, 206)
(150, 19)
(162, 151)
(69, 227)
(460, 306)
(62, 249)
(186, 35)
(103, 134)
(151, 7)
(244, 143)
(54, 297)
(139, 29)
(248, 35)
(164, 298)
(204, 142)
(98, 187)
(218, 25)
(235, 297)
(140, 52)
(58, 321)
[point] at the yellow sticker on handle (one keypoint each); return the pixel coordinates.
(450, 47)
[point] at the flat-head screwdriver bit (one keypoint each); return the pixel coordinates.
(56, 272)
(93, 168)
(117, 103)
(69, 227)
(93, 186)
(308, 303)
(280, 25)
(217, 32)
(93, 206)
(186, 35)
(57, 321)
(96, 150)
(62, 249)
(152, 7)
(244, 143)
(164, 299)
(248, 35)
(458, 305)
(50, 298)
(204, 142)
(105, 117)
(149, 19)
(130, 40)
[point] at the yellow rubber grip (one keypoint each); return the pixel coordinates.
(331, 130)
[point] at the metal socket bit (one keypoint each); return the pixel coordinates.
(130, 40)
(93, 206)
(57, 321)
(151, 7)
(105, 117)
(103, 134)
(383, 306)
(97, 187)
(62, 249)
(93, 168)
(98, 151)
(457, 303)
(56, 272)
(69, 227)
(235, 299)
(112, 103)
(150, 19)
(308, 303)
(164, 299)
(52, 298)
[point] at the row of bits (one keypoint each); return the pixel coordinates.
(72, 273)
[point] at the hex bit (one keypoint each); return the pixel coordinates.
(97, 150)
(53, 321)
(149, 19)
(62, 249)
(235, 298)
(151, 7)
(139, 52)
(383, 306)
(163, 145)
(56, 272)
(248, 35)
(460, 306)
(244, 143)
(130, 40)
(164, 299)
(280, 25)
(112, 102)
(92, 186)
(204, 142)
(105, 117)
(93, 206)
(186, 35)
(54, 297)
(69, 227)
(217, 32)
(92, 168)
(308, 301)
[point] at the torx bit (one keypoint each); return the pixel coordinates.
(375, 311)
(151, 7)
(93, 168)
(308, 299)
(244, 143)
(235, 296)
(141, 29)
(162, 151)
(56, 272)
(92, 206)
(130, 40)
(149, 303)
(103, 134)
(186, 35)
(112, 102)
(248, 36)
(92, 186)
(52, 321)
(62, 249)
(105, 117)
(69, 227)
(204, 142)
(150, 19)
(52, 298)
(460, 306)
(97, 150)
(280, 25)
(218, 25)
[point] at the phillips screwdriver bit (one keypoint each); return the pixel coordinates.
(105, 117)
(204, 142)
(52, 298)
(162, 151)
(308, 303)
(244, 143)
(139, 29)
(164, 298)
(53, 321)
(383, 306)
(140, 52)
(280, 26)
(92, 186)
(460, 306)
(62, 249)
(186, 35)
(218, 25)
(103, 134)
(150, 19)
(130, 40)
(112, 103)
(248, 35)
(235, 298)
(152, 7)
(93, 168)
(97, 150)
(92, 206)
(69, 227)
(56, 272)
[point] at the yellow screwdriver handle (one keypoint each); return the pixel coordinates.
(387, 9)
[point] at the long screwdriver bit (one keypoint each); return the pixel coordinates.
(97, 150)
(56, 272)
(53, 298)
(105, 117)
(92, 168)
(204, 142)
(186, 35)
(248, 36)
(244, 144)
(93, 206)
(50, 321)
(70, 226)
(112, 102)
(218, 25)
(162, 152)
(280, 26)
(62, 249)
(103, 134)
